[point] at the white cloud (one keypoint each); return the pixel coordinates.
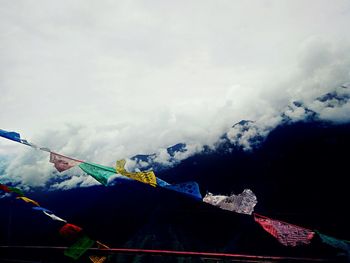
(28, 168)
(108, 80)
(4, 195)
(296, 113)
(162, 157)
(189, 150)
(335, 109)
(74, 181)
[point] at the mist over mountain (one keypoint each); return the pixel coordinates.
(30, 169)
(298, 173)
(226, 95)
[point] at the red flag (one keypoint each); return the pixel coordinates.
(286, 234)
(61, 162)
(5, 188)
(70, 231)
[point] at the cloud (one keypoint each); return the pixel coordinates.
(4, 195)
(106, 81)
(75, 181)
(334, 107)
(24, 169)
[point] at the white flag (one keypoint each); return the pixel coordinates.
(54, 217)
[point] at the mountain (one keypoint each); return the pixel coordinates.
(298, 174)
(298, 171)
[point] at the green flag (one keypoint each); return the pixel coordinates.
(76, 250)
(336, 243)
(99, 172)
(16, 190)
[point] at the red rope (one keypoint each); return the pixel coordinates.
(174, 253)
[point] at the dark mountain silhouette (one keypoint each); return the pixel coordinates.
(298, 173)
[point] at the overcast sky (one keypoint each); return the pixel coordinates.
(108, 79)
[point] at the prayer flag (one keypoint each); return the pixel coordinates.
(336, 243)
(39, 208)
(62, 162)
(286, 234)
(27, 200)
(70, 231)
(79, 248)
(188, 188)
(242, 203)
(161, 182)
(99, 172)
(16, 190)
(214, 200)
(14, 136)
(144, 177)
(23, 141)
(5, 188)
(99, 259)
(54, 217)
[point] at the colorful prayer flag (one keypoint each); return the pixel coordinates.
(99, 172)
(39, 208)
(161, 182)
(23, 141)
(336, 243)
(286, 234)
(144, 177)
(79, 248)
(70, 231)
(99, 259)
(54, 217)
(214, 200)
(62, 162)
(16, 190)
(27, 200)
(49, 213)
(14, 136)
(5, 188)
(242, 203)
(188, 188)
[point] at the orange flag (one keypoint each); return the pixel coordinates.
(99, 259)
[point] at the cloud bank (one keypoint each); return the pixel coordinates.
(105, 81)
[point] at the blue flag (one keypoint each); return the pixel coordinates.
(13, 136)
(188, 188)
(39, 208)
(161, 182)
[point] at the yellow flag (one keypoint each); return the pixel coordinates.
(27, 200)
(144, 177)
(99, 259)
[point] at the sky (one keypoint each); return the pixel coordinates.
(104, 80)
